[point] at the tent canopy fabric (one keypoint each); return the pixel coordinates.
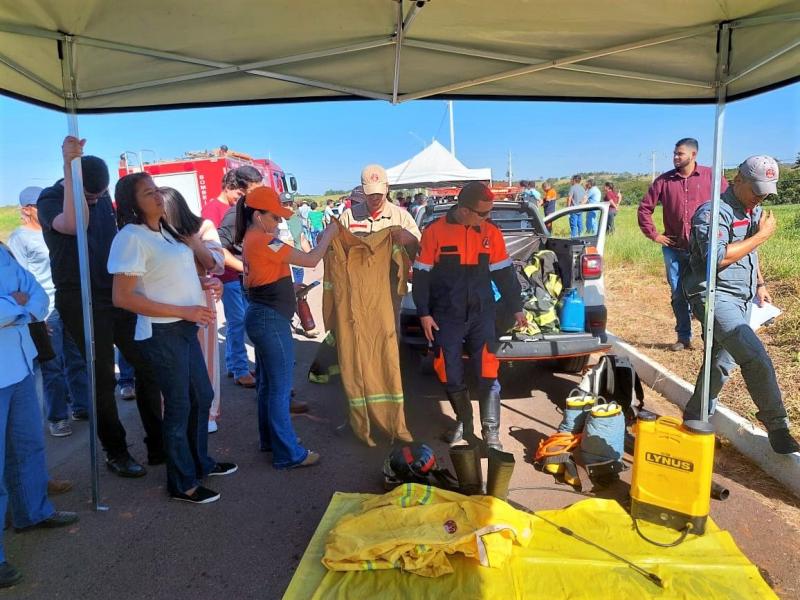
(152, 54)
(433, 166)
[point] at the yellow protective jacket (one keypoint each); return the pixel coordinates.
(357, 306)
(415, 526)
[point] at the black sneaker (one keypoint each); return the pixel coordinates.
(80, 415)
(223, 469)
(8, 575)
(201, 495)
(782, 441)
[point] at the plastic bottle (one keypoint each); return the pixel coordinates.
(572, 313)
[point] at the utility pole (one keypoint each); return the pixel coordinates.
(510, 172)
(653, 166)
(452, 131)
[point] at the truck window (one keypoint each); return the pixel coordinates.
(277, 183)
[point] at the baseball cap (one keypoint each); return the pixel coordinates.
(762, 173)
(473, 193)
(265, 198)
(374, 180)
(357, 195)
(29, 195)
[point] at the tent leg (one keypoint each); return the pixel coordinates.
(723, 61)
(70, 96)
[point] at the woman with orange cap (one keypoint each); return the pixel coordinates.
(268, 320)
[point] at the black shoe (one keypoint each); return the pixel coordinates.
(490, 420)
(125, 466)
(201, 495)
(8, 575)
(60, 518)
(782, 441)
(223, 469)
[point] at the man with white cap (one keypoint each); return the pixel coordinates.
(376, 213)
(743, 227)
(64, 377)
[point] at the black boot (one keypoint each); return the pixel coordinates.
(464, 429)
(501, 467)
(490, 419)
(467, 464)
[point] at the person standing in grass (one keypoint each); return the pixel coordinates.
(613, 197)
(577, 196)
(315, 223)
(680, 192)
(743, 228)
(549, 199)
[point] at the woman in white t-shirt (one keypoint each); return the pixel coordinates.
(155, 277)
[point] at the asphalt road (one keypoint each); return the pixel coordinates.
(248, 544)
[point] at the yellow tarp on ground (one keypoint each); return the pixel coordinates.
(552, 566)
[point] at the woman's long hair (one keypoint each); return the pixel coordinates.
(244, 216)
(128, 209)
(177, 212)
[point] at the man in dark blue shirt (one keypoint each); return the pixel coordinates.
(112, 326)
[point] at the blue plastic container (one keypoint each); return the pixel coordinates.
(572, 312)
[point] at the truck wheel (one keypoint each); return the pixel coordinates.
(576, 364)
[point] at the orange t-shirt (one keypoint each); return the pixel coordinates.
(550, 195)
(266, 271)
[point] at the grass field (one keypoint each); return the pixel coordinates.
(9, 221)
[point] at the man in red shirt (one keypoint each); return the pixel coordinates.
(216, 209)
(680, 192)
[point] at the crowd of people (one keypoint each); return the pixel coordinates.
(157, 272)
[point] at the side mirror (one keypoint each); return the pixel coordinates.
(293, 183)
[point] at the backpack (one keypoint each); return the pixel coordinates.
(540, 280)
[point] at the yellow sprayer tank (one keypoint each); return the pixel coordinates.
(672, 466)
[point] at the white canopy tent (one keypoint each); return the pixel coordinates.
(434, 165)
(107, 55)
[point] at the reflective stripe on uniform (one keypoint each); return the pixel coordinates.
(421, 266)
(506, 262)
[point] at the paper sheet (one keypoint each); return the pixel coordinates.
(761, 313)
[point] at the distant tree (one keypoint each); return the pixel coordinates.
(336, 192)
(797, 161)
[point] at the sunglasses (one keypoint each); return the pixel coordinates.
(481, 213)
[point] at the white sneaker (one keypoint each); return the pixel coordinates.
(212, 427)
(60, 428)
(127, 392)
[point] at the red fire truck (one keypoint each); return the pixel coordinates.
(198, 175)
(501, 192)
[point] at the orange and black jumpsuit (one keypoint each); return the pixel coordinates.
(453, 277)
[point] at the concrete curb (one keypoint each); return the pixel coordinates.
(746, 438)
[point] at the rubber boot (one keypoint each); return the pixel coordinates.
(501, 467)
(467, 464)
(490, 419)
(464, 429)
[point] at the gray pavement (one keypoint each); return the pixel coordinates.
(248, 544)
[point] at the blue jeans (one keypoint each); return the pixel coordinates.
(23, 473)
(735, 343)
(64, 377)
(676, 263)
(591, 222)
(127, 376)
(271, 335)
(176, 358)
(575, 225)
(234, 303)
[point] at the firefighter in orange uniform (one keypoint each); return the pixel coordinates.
(461, 255)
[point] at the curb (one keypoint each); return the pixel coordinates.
(745, 437)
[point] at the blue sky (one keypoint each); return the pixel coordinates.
(326, 144)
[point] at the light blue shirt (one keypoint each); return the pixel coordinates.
(594, 195)
(32, 254)
(16, 344)
(532, 193)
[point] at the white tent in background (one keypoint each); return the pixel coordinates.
(434, 166)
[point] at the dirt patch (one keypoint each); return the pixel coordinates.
(639, 312)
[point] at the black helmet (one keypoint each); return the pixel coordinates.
(410, 463)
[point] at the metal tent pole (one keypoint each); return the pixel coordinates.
(723, 63)
(70, 88)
